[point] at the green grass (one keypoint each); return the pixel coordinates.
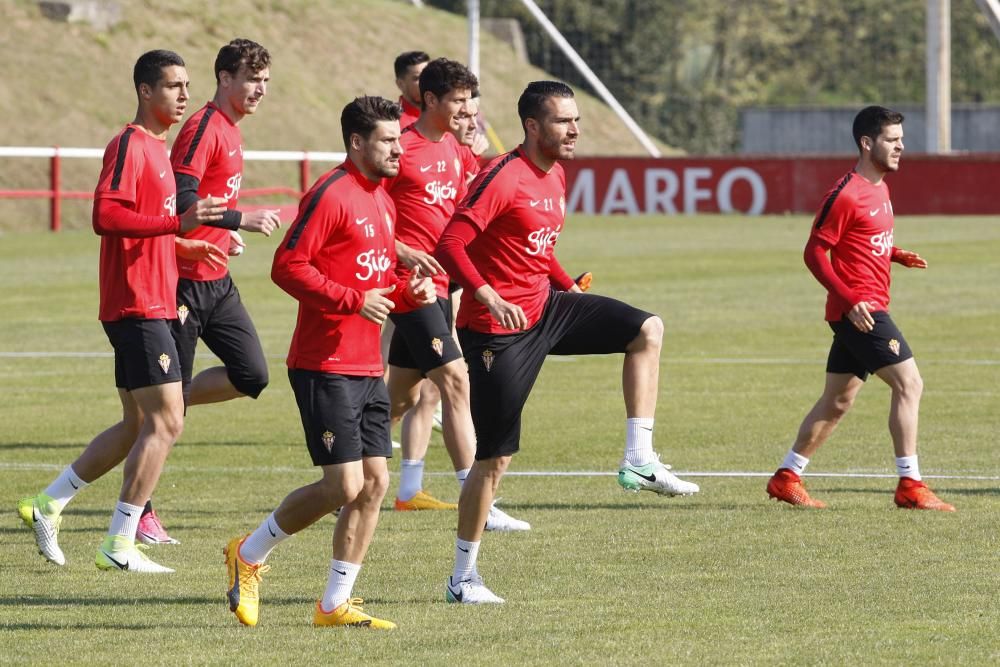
(724, 577)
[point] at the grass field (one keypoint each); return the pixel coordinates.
(604, 577)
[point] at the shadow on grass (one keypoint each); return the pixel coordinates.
(125, 601)
(42, 445)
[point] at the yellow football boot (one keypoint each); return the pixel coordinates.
(349, 615)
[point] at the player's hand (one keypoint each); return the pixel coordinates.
(910, 259)
(414, 259)
(236, 244)
(264, 221)
(209, 209)
(860, 316)
(508, 315)
(376, 306)
(421, 289)
(197, 250)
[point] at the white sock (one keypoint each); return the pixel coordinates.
(259, 544)
(460, 475)
(125, 520)
(340, 584)
(465, 560)
(795, 462)
(64, 487)
(411, 478)
(639, 440)
(907, 466)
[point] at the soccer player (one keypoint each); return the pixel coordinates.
(855, 227)
(207, 159)
(408, 66)
(134, 214)
(499, 247)
(337, 261)
(430, 178)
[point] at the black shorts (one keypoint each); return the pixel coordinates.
(861, 353)
(145, 353)
(213, 311)
(423, 338)
(345, 417)
(503, 367)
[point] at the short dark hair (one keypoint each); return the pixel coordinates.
(361, 115)
(870, 121)
(532, 101)
(408, 59)
(241, 51)
(149, 67)
(441, 76)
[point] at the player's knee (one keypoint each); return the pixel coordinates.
(840, 406)
(650, 335)
(910, 386)
(376, 486)
(169, 425)
(453, 380)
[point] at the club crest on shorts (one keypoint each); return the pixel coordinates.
(182, 314)
(894, 346)
(328, 439)
(164, 361)
(438, 346)
(488, 359)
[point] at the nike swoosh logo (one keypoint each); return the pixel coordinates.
(75, 487)
(163, 173)
(342, 573)
(905, 467)
(647, 428)
(124, 512)
(874, 212)
(457, 595)
(463, 550)
(648, 478)
(425, 169)
(121, 566)
(273, 534)
(533, 203)
(233, 152)
(360, 221)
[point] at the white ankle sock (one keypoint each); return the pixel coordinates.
(259, 544)
(411, 478)
(795, 462)
(64, 487)
(465, 560)
(639, 440)
(907, 466)
(460, 475)
(340, 585)
(125, 520)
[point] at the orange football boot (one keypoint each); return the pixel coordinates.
(914, 494)
(786, 486)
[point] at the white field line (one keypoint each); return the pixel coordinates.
(6, 465)
(736, 361)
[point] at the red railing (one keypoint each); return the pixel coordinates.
(55, 194)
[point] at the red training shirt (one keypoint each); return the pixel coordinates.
(856, 221)
(209, 148)
(519, 211)
(138, 271)
(426, 191)
(340, 246)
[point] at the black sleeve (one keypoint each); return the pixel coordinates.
(187, 191)
(187, 196)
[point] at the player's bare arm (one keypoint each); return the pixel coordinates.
(509, 315)
(413, 259)
(198, 250)
(209, 209)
